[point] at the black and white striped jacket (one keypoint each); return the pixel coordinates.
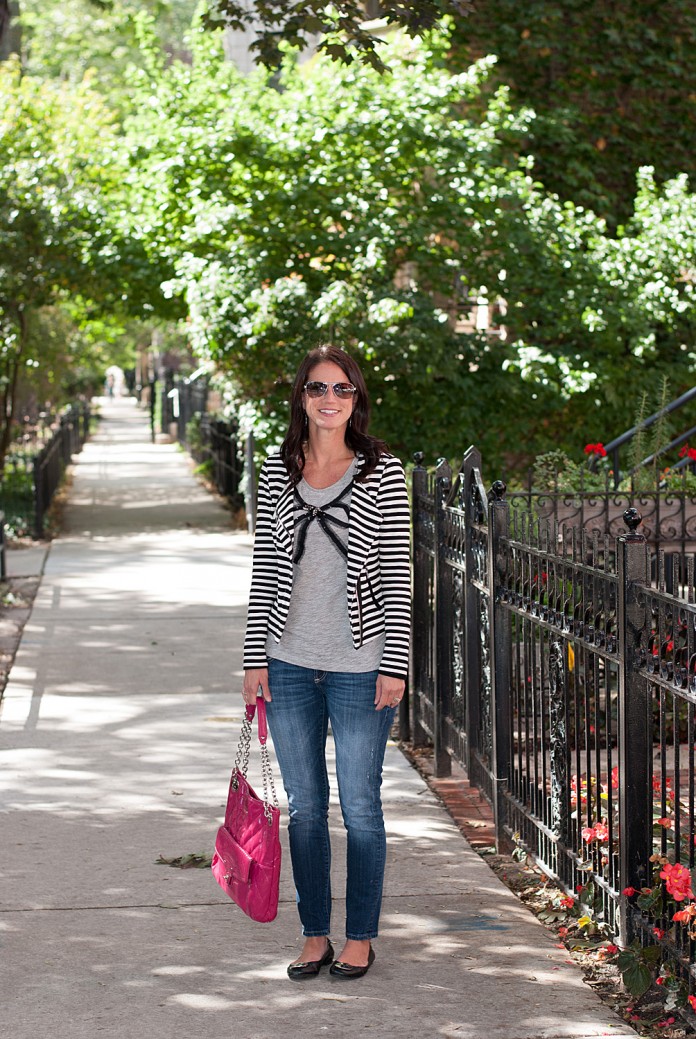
(378, 575)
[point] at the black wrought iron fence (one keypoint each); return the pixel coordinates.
(549, 665)
(50, 463)
(35, 464)
(219, 444)
(669, 515)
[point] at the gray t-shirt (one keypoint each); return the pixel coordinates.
(317, 632)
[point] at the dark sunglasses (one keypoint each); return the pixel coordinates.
(342, 390)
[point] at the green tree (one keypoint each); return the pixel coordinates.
(346, 206)
(372, 210)
(63, 237)
(341, 25)
(613, 87)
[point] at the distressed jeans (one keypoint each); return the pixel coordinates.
(304, 702)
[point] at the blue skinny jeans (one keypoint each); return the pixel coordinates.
(304, 702)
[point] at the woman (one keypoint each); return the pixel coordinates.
(327, 641)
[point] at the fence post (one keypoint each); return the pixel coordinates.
(442, 635)
(39, 496)
(470, 474)
(153, 405)
(3, 558)
(250, 483)
(635, 720)
(421, 615)
(500, 654)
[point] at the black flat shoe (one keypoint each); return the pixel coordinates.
(312, 967)
(347, 970)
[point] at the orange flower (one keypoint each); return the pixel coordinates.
(683, 916)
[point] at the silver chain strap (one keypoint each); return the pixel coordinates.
(241, 761)
(268, 784)
(241, 767)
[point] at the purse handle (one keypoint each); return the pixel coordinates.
(251, 709)
(241, 761)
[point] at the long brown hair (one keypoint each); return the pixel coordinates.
(357, 438)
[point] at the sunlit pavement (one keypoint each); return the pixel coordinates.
(117, 734)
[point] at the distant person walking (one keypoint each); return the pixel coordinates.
(327, 641)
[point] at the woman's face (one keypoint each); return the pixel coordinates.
(328, 412)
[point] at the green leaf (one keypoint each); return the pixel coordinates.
(637, 977)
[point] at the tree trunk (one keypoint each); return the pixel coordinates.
(9, 397)
(10, 30)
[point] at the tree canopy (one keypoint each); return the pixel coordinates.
(377, 211)
(389, 213)
(339, 28)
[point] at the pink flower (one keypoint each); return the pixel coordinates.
(677, 880)
(602, 832)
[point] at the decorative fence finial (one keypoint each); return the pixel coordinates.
(498, 490)
(418, 457)
(633, 519)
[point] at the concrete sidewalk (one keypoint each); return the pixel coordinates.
(117, 734)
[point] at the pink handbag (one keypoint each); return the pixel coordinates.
(246, 862)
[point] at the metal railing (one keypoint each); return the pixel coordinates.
(52, 460)
(220, 446)
(35, 464)
(547, 662)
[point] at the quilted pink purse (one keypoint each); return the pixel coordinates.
(246, 862)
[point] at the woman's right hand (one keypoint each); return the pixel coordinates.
(255, 678)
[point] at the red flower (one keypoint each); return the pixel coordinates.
(664, 821)
(677, 880)
(588, 834)
(692, 1002)
(688, 452)
(683, 916)
(629, 892)
(611, 948)
(563, 932)
(666, 1023)
(659, 981)
(658, 932)
(595, 449)
(567, 902)
(615, 777)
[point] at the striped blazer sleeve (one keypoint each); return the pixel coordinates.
(264, 580)
(395, 568)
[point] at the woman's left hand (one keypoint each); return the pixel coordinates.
(389, 692)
